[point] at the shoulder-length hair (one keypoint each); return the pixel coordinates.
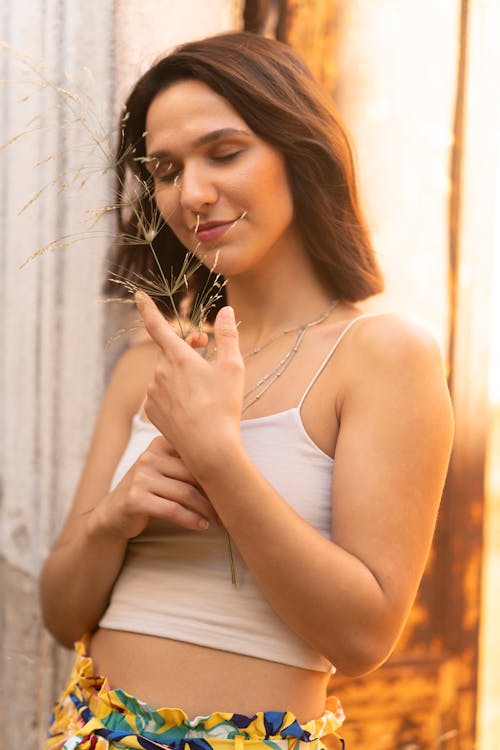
(271, 88)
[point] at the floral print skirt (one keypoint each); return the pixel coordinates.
(90, 716)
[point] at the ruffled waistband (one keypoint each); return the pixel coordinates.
(89, 708)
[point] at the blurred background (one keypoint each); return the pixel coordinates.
(417, 83)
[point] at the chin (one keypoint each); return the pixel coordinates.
(218, 260)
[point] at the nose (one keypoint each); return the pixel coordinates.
(197, 189)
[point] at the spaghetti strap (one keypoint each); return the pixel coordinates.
(330, 354)
(141, 413)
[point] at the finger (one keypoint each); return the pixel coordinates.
(166, 465)
(226, 335)
(184, 494)
(159, 507)
(155, 323)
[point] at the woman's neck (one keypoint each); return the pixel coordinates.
(267, 305)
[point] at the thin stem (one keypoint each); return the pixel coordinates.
(231, 560)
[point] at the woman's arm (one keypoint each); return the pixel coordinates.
(78, 575)
(348, 597)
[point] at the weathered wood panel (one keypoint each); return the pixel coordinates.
(51, 328)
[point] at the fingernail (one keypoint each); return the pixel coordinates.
(227, 314)
(203, 524)
(140, 297)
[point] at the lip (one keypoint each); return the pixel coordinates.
(209, 231)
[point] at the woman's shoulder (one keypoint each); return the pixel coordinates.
(393, 374)
(380, 337)
(131, 375)
(393, 347)
(137, 358)
(393, 335)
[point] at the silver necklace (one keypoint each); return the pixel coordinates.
(267, 380)
(286, 331)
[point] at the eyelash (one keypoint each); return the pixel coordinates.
(172, 176)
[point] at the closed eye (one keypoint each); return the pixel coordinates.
(226, 157)
(166, 173)
(169, 173)
(168, 176)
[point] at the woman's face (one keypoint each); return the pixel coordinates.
(222, 189)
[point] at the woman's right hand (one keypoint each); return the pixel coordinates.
(158, 485)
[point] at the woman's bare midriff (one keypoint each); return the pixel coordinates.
(202, 680)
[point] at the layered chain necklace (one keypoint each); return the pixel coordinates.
(267, 380)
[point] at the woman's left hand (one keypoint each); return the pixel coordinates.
(195, 404)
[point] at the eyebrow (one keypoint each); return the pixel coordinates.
(214, 135)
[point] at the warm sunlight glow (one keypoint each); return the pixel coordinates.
(495, 329)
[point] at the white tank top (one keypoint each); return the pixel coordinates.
(176, 583)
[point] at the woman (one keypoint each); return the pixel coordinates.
(250, 169)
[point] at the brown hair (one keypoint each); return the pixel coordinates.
(274, 92)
